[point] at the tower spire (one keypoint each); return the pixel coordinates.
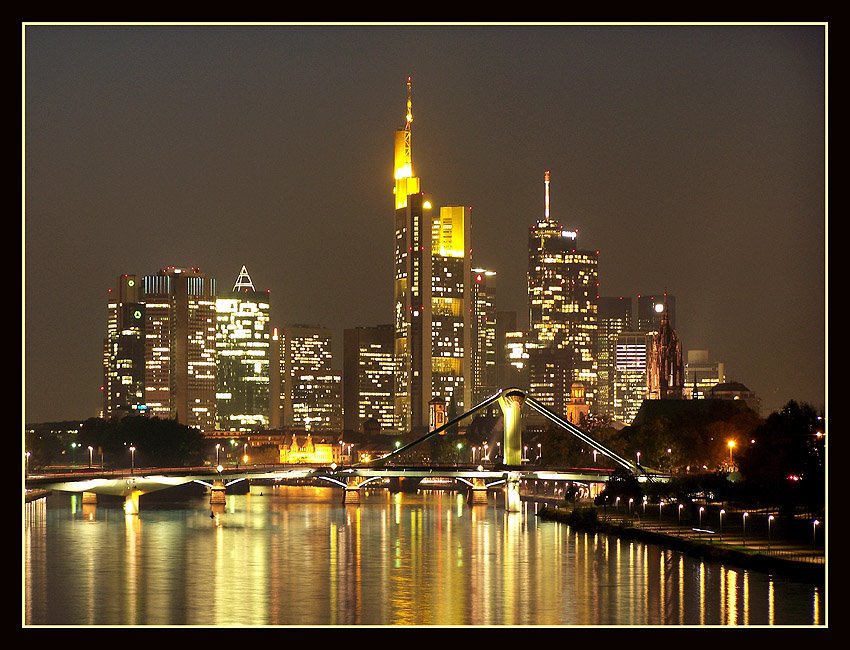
(243, 281)
(546, 183)
(408, 124)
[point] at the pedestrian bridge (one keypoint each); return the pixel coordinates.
(133, 483)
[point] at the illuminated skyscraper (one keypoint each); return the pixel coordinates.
(615, 316)
(631, 359)
(563, 294)
(431, 294)
(124, 351)
(180, 354)
(368, 376)
(242, 357)
(483, 337)
(311, 392)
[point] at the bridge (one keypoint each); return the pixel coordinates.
(133, 483)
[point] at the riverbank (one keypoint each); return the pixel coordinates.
(781, 561)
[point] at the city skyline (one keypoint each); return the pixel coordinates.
(691, 157)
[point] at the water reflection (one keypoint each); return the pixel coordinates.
(298, 556)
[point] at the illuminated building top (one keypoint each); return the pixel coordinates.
(405, 182)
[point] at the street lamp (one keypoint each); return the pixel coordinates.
(731, 445)
(814, 534)
(132, 458)
(74, 453)
(722, 511)
(769, 519)
(630, 504)
(539, 451)
(660, 503)
(457, 460)
(486, 455)
(217, 448)
(617, 504)
(91, 449)
(245, 453)
(594, 456)
(638, 457)
(644, 505)
(27, 463)
(525, 452)
(744, 519)
(700, 520)
(680, 513)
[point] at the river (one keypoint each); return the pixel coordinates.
(296, 556)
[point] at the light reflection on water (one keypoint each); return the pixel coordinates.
(298, 556)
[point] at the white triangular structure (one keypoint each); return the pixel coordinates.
(243, 281)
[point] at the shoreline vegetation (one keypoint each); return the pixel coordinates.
(586, 519)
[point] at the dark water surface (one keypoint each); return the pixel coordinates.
(292, 555)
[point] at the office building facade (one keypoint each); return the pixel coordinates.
(368, 376)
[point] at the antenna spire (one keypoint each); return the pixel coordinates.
(546, 183)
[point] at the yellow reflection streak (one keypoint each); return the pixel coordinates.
(770, 601)
(816, 613)
(732, 601)
(746, 598)
(681, 590)
(702, 593)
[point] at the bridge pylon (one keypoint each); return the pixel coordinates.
(351, 492)
(511, 401)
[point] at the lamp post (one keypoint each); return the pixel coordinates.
(91, 449)
(731, 445)
(486, 455)
(644, 505)
(217, 448)
(594, 456)
(814, 534)
(722, 511)
(457, 459)
(73, 453)
(744, 520)
(132, 459)
(769, 519)
(539, 451)
(630, 504)
(27, 463)
(638, 458)
(660, 503)
(680, 513)
(525, 452)
(617, 504)
(700, 520)
(245, 453)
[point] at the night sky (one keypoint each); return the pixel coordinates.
(693, 157)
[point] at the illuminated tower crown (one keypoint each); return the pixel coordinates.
(243, 281)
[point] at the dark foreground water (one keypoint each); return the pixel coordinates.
(297, 556)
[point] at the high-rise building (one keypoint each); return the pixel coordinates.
(243, 357)
(563, 294)
(615, 316)
(483, 334)
(650, 309)
(309, 395)
(666, 371)
(368, 376)
(631, 359)
(124, 351)
(431, 295)
(180, 353)
(506, 326)
(701, 374)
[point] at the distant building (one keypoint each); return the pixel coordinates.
(701, 374)
(311, 392)
(615, 316)
(180, 353)
(308, 451)
(577, 407)
(483, 339)
(735, 391)
(124, 351)
(368, 376)
(650, 309)
(243, 344)
(563, 295)
(550, 378)
(630, 373)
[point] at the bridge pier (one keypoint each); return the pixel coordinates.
(477, 492)
(351, 493)
(131, 502)
(512, 501)
(217, 492)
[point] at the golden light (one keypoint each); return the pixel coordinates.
(731, 444)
